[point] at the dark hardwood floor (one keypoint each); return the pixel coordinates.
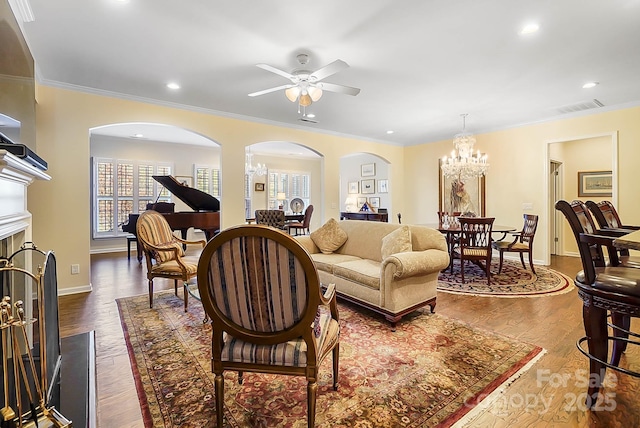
(550, 394)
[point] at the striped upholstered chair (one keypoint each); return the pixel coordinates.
(261, 290)
(164, 253)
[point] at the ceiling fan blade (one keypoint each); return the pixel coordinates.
(266, 91)
(341, 89)
(329, 69)
(275, 70)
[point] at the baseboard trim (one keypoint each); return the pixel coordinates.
(75, 290)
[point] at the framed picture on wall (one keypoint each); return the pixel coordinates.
(464, 196)
(374, 202)
(354, 187)
(259, 187)
(361, 201)
(368, 169)
(368, 186)
(595, 183)
(383, 186)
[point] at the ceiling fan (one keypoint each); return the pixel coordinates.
(306, 86)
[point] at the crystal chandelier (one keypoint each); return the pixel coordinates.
(463, 164)
(250, 169)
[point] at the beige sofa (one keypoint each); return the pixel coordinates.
(394, 286)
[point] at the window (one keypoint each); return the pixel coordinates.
(293, 184)
(207, 179)
(122, 187)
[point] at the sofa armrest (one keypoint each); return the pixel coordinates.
(307, 243)
(414, 263)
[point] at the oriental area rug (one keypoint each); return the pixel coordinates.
(432, 371)
(513, 281)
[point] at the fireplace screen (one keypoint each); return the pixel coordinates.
(30, 338)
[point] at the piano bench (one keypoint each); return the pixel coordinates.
(130, 239)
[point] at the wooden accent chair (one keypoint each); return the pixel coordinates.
(602, 288)
(522, 242)
(303, 226)
(607, 216)
(261, 290)
(475, 243)
(273, 218)
(164, 253)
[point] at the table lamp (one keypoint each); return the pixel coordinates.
(281, 197)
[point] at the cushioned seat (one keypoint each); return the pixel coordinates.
(363, 271)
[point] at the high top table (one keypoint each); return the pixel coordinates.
(630, 241)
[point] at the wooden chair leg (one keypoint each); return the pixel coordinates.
(175, 287)
(531, 262)
(185, 291)
(522, 260)
(461, 269)
(595, 326)
(219, 389)
(312, 388)
(501, 259)
(488, 263)
(151, 293)
(619, 346)
(336, 357)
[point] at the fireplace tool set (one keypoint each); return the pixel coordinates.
(26, 389)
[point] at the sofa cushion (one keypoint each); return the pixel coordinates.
(398, 241)
(329, 237)
(363, 271)
(326, 262)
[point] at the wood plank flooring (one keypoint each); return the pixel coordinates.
(550, 394)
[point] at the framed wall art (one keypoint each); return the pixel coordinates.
(259, 187)
(361, 201)
(368, 169)
(461, 196)
(383, 186)
(368, 186)
(354, 187)
(595, 183)
(374, 202)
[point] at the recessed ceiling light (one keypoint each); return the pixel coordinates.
(173, 85)
(389, 132)
(530, 28)
(311, 115)
(590, 85)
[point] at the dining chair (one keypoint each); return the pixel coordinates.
(474, 243)
(522, 242)
(609, 221)
(262, 292)
(296, 226)
(164, 253)
(603, 288)
(273, 218)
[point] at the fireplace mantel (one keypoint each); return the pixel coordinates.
(15, 176)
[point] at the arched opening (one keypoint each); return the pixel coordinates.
(365, 179)
(291, 178)
(123, 159)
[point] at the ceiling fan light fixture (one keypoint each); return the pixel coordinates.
(315, 93)
(292, 93)
(305, 100)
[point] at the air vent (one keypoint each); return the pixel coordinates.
(584, 105)
(306, 119)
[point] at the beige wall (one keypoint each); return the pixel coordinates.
(61, 207)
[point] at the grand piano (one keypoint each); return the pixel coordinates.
(205, 215)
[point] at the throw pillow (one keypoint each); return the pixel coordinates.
(329, 237)
(397, 241)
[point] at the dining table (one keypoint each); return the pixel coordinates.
(630, 241)
(452, 230)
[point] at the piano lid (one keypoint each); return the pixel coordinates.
(196, 199)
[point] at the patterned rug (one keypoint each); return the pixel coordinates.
(430, 372)
(514, 281)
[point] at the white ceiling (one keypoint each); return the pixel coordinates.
(419, 63)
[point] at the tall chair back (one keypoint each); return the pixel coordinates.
(273, 218)
(475, 242)
(262, 292)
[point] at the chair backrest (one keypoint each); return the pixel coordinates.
(581, 223)
(307, 217)
(605, 214)
(475, 232)
(529, 228)
(152, 228)
(273, 218)
(258, 283)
